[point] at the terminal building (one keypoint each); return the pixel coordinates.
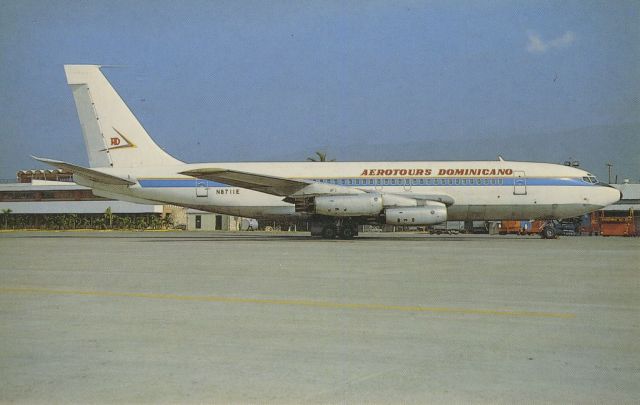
(49, 199)
(619, 219)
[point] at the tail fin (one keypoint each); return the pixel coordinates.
(112, 134)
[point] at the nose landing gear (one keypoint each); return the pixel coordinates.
(549, 231)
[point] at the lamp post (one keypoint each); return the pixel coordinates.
(609, 165)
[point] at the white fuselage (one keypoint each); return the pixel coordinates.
(482, 190)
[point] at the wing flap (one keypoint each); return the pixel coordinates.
(443, 198)
(90, 174)
(259, 182)
(446, 199)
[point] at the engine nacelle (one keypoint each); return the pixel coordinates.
(431, 214)
(348, 205)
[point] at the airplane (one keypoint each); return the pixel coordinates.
(335, 197)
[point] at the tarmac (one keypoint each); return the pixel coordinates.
(180, 317)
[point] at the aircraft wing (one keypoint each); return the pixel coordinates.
(293, 188)
(446, 199)
(279, 186)
(90, 174)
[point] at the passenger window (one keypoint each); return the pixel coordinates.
(378, 181)
(342, 181)
(457, 181)
(450, 181)
(393, 181)
(386, 181)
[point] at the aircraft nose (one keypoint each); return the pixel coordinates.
(614, 195)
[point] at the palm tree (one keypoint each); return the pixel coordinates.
(321, 157)
(108, 216)
(5, 213)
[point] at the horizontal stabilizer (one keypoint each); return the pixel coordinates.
(259, 182)
(90, 174)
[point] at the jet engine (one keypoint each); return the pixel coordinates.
(431, 214)
(349, 205)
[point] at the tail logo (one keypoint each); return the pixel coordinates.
(116, 142)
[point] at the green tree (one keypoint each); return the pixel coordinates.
(5, 214)
(320, 157)
(73, 221)
(167, 221)
(155, 221)
(141, 223)
(108, 216)
(99, 223)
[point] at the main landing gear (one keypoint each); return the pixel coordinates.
(549, 231)
(328, 229)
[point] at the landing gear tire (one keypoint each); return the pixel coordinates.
(549, 232)
(347, 232)
(329, 232)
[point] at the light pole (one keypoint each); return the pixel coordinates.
(609, 165)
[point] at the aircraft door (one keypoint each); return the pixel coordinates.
(407, 184)
(201, 188)
(519, 183)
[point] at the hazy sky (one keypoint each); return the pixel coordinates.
(264, 80)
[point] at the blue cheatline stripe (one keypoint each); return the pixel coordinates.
(427, 182)
(175, 183)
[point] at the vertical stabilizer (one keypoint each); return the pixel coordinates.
(112, 134)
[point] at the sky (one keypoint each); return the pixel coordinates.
(259, 81)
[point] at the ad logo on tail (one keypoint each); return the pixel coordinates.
(119, 142)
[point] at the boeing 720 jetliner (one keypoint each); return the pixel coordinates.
(126, 164)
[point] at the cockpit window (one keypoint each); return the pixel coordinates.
(590, 179)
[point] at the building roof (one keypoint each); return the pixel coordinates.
(42, 185)
(68, 207)
(630, 198)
